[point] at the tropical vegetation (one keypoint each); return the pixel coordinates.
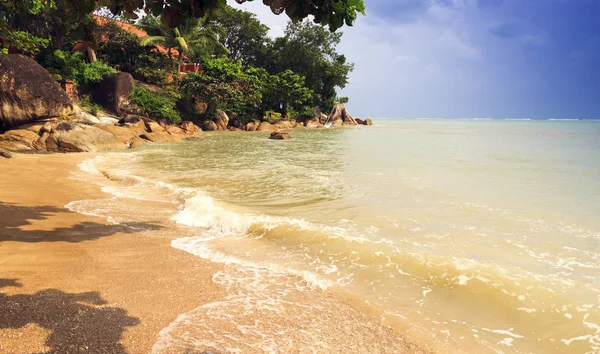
(244, 71)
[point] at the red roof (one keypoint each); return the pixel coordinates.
(133, 29)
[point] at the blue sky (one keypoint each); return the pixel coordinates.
(471, 58)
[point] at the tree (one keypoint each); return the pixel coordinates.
(34, 25)
(245, 36)
(333, 13)
(282, 91)
(310, 51)
(189, 33)
(222, 85)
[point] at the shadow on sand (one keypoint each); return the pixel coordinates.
(77, 322)
(14, 216)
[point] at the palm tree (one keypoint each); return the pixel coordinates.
(192, 33)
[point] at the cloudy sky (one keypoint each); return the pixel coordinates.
(470, 58)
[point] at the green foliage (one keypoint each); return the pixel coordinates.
(86, 105)
(223, 84)
(244, 35)
(190, 33)
(22, 41)
(41, 19)
(333, 13)
(71, 66)
(155, 69)
(92, 73)
(154, 105)
(271, 116)
(118, 47)
(310, 51)
(343, 100)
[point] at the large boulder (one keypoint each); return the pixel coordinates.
(279, 136)
(124, 134)
(189, 128)
(285, 124)
(209, 126)
(106, 118)
(235, 123)
(84, 117)
(252, 125)
(153, 126)
(266, 127)
(77, 137)
(160, 137)
(135, 123)
(339, 112)
(368, 121)
(113, 92)
(174, 130)
(221, 120)
(5, 154)
(19, 140)
(319, 116)
(28, 92)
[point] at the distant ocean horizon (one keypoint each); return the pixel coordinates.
(481, 118)
(474, 235)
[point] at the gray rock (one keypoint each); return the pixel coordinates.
(28, 92)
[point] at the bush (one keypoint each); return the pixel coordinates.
(271, 116)
(155, 106)
(71, 66)
(92, 73)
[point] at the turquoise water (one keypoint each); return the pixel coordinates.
(471, 235)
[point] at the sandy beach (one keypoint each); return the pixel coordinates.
(73, 283)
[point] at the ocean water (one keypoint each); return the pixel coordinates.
(471, 235)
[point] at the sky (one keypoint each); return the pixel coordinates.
(470, 58)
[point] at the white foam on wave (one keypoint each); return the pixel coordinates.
(199, 246)
(201, 211)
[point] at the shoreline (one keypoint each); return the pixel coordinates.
(72, 282)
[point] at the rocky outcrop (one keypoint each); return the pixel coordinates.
(285, 124)
(359, 121)
(221, 120)
(189, 128)
(252, 126)
(209, 126)
(174, 130)
(124, 134)
(19, 140)
(84, 117)
(160, 137)
(28, 92)
(368, 121)
(340, 113)
(235, 123)
(154, 127)
(279, 136)
(77, 137)
(5, 154)
(113, 92)
(319, 116)
(60, 136)
(106, 118)
(266, 127)
(317, 120)
(135, 123)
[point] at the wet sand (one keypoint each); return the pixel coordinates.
(75, 283)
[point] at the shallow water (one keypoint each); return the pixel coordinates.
(476, 235)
